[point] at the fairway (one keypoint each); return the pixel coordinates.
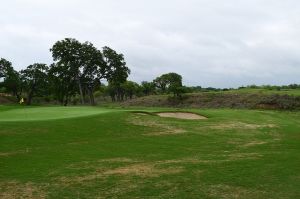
(82, 153)
(47, 113)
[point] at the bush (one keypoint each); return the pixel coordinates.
(2, 90)
(286, 102)
(98, 93)
(75, 100)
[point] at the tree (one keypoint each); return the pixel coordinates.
(4, 67)
(148, 87)
(12, 80)
(111, 91)
(94, 68)
(175, 84)
(78, 68)
(62, 84)
(81, 64)
(130, 89)
(117, 71)
(67, 54)
(35, 79)
(170, 82)
(161, 83)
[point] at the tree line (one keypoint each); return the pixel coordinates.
(169, 83)
(77, 72)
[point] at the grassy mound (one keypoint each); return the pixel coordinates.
(23, 113)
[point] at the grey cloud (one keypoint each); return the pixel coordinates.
(210, 42)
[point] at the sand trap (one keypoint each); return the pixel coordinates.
(181, 115)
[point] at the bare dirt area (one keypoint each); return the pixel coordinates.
(161, 128)
(12, 190)
(182, 115)
(241, 125)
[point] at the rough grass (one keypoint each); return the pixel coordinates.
(293, 92)
(229, 99)
(124, 154)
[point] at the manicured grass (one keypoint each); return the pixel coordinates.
(112, 153)
(23, 113)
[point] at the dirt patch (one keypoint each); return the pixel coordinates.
(132, 168)
(182, 115)
(126, 168)
(186, 161)
(220, 159)
(241, 125)
(125, 160)
(78, 143)
(172, 131)
(164, 129)
(242, 143)
(233, 192)
(6, 154)
(143, 170)
(12, 190)
(254, 143)
(89, 165)
(67, 181)
(243, 156)
(120, 190)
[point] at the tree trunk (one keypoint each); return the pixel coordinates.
(113, 97)
(29, 97)
(80, 90)
(92, 99)
(66, 101)
(91, 96)
(17, 96)
(61, 98)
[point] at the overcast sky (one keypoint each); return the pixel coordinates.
(220, 43)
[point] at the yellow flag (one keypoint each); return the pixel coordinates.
(21, 100)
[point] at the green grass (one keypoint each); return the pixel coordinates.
(112, 153)
(23, 113)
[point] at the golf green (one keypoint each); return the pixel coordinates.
(48, 113)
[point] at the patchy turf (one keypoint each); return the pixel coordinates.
(182, 115)
(113, 153)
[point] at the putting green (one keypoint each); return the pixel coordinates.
(49, 113)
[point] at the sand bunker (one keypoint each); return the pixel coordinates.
(182, 115)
